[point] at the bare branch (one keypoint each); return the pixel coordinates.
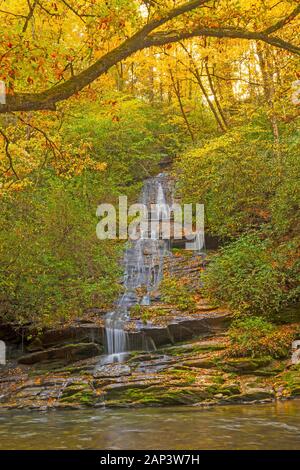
(9, 157)
(49, 141)
(30, 14)
(46, 10)
(13, 14)
(73, 10)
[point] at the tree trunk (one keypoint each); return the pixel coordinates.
(176, 88)
(268, 85)
(215, 94)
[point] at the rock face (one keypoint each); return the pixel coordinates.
(82, 333)
(175, 359)
(186, 328)
(68, 353)
(193, 373)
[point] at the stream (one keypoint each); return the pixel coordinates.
(263, 426)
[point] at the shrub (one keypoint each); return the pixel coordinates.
(257, 337)
(233, 175)
(53, 267)
(242, 182)
(177, 294)
(245, 276)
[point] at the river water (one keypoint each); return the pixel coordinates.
(265, 426)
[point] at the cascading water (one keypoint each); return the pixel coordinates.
(143, 267)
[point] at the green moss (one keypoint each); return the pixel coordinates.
(177, 294)
(159, 395)
(191, 349)
(84, 397)
(272, 369)
(292, 381)
(243, 365)
(218, 379)
(79, 392)
(185, 375)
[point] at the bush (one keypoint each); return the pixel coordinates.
(53, 266)
(177, 294)
(285, 205)
(245, 276)
(257, 337)
(242, 182)
(234, 176)
(130, 136)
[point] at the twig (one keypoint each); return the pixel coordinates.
(9, 157)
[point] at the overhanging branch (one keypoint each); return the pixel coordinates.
(159, 39)
(144, 38)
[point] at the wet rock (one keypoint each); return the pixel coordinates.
(68, 353)
(159, 335)
(13, 378)
(195, 347)
(112, 370)
(188, 328)
(154, 365)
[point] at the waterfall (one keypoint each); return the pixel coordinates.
(143, 267)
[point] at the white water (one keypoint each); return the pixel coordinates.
(143, 267)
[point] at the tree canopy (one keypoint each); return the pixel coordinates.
(52, 50)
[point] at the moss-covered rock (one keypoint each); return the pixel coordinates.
(243, 365)
(162, 396)
(80, 393)
(193, 348)
(291, 381)
(200, 363)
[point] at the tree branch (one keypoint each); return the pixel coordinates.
(30, 14)
(73, 10)
(49, 142)
(9, 157)
(283, 22)
(159, 39)
(13, 14)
